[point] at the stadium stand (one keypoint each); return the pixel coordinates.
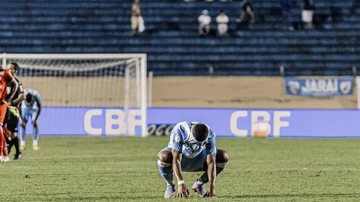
(171, 39)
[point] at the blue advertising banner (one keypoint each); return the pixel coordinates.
(319, 87)
(84, 121)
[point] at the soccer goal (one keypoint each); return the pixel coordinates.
(88, 80)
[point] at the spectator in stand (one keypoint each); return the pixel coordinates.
(204, 23)
(246, 13)
(285, 6)
(135, 17)
(307, 13)
(222, 21)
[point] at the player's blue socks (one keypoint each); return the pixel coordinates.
(166, 172)
(219, 167)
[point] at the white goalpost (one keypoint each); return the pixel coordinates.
(88, 80)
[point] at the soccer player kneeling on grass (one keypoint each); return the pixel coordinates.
(191, 148)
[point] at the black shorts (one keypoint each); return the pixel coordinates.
(12, 118)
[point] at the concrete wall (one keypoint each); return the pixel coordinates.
(228, 92)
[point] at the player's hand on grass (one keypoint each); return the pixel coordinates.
(183, 191)
(211, 192)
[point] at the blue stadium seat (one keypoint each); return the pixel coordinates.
(171, 40)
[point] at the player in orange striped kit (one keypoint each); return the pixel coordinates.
(5, 77)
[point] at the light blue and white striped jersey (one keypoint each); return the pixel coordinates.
(183, 141)
(35, 98)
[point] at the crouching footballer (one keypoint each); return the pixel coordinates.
(191, 149)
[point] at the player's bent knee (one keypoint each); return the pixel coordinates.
(222, 156)
(165, 157)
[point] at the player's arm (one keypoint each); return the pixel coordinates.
(177, 145)
(39, 108)
(22, 121)
(14, 85)
(21, 96)
(211, 164)
(182, 189)
(38, 103)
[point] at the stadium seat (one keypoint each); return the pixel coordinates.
(172, 42)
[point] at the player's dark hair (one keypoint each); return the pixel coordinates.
(28, 97)
(200, 132)
(16, 66)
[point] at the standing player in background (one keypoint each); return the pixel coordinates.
(30, 108)
(191, 148)
(5, 78)
(12, 115)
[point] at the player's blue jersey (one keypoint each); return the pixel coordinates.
(32, 104)
(182, 141)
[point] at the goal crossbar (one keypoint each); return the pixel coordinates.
(138, 59)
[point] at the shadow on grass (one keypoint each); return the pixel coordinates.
(121, 196)
(304, 195)
(112, 198)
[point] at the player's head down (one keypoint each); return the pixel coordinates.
(28, 97)
(13, 67)
(200, 132)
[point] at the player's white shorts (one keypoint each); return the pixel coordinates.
(27, 113)
(191, 164)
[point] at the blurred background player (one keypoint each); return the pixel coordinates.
(5, 78)
(12, 115)
(30, 108)
(191, 148)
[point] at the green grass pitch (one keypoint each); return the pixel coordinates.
(124, 169)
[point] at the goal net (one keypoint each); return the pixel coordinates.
(88, 80)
